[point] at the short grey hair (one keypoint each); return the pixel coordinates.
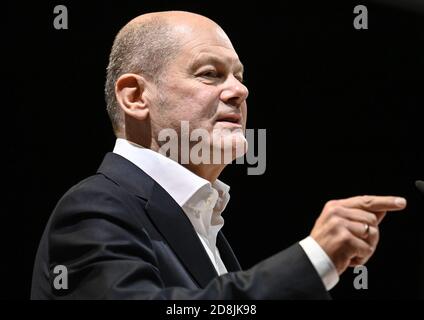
(142, 48)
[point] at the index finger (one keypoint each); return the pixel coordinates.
(375, 203)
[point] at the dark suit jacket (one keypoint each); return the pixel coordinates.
(121, 236)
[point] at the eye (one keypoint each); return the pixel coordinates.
(209, 74)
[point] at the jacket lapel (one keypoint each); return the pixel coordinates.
(168, 217)
(227, 254)
(178, 231)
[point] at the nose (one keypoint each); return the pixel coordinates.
(235, 92)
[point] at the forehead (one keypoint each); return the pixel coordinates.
(213, 58)
(207, 44)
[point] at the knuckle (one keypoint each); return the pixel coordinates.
(330, 204)
(345, 237)
(372, 220)
(375, 236)
(334, 210)
(367, 201)
(335, 223)
(366, 250)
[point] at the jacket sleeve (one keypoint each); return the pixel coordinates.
(108, 256)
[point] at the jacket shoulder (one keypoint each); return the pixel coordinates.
(97, 197)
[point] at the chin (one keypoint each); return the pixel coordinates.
(230, 146)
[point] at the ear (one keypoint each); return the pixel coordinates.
(130, 91)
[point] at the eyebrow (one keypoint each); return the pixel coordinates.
(215, 59)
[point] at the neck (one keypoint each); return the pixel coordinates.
(208, 172)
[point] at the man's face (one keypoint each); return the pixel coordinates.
(203, 85)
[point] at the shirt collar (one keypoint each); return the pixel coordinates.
(183, 185)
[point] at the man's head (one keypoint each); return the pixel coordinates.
(170, 67)
(143, 46)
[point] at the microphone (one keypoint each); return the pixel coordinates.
(420, 185)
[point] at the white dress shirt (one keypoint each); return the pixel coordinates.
(203, 203)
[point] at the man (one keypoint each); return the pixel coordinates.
(147, 226)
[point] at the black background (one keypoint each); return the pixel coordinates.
(342, 109)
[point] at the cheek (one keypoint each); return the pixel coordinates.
(244, 113)
(194, 102)
(199, 103)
